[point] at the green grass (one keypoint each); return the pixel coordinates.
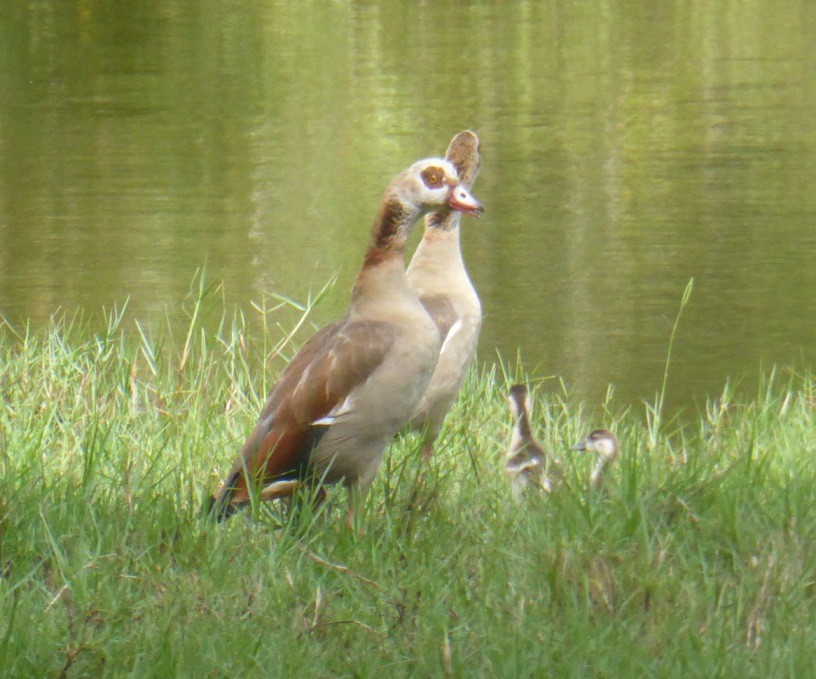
(698, 559)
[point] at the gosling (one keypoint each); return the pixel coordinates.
(528, 465)
(604, 443)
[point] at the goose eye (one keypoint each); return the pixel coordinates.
(433, 177)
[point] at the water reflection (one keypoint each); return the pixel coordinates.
(628, 147)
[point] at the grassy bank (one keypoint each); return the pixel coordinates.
(698, 560)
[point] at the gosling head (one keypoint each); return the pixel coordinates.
(604, 443)
(601, 441)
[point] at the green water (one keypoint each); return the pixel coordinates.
(628, 146)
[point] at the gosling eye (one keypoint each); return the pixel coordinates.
(433, 177)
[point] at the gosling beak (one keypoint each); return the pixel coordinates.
(581, 445)
(459, 199)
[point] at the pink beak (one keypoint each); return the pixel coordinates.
(459, 199)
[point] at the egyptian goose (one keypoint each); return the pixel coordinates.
(438, 276)
(604, 443)
(357, 381)
(528, 465)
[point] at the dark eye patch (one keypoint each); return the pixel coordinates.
(433, 176)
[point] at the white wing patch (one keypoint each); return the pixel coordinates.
(456, 327)
(524, 465)
(338, 411)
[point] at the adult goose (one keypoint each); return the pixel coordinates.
(528, 465)
(438, 276)
(604, 443)
(358, 380)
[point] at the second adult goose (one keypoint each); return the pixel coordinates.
(438, 276)
(357, 381)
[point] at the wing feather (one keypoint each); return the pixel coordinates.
(442, 312)
(319, 379)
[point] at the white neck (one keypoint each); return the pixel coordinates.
(599, 471)
(437, 267)
(382, 291)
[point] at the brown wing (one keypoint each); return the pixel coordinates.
(530, 457)
(520, 464)
(442, 313)
(338, 358)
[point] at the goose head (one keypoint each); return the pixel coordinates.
(433, 183)
(464, 151)
(427, 185)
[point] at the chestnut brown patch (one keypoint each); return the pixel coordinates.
(388, 224)
(375, 256)
(433, 176)
(441, 219)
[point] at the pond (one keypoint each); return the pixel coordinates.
(628, 147)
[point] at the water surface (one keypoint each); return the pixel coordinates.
(628, 147)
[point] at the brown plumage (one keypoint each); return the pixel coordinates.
(357, 381)
(437, 274)
(528, 465)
